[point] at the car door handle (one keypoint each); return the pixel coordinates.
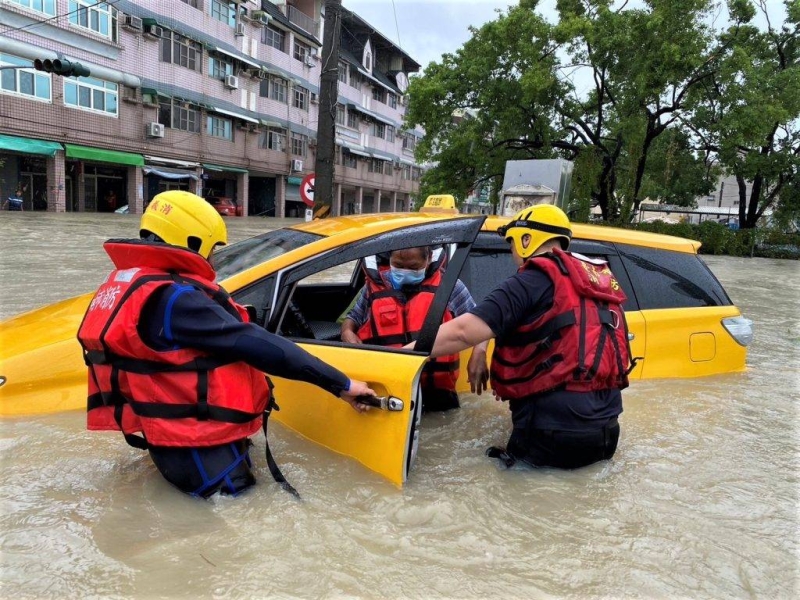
(631, 337)
(383, 402)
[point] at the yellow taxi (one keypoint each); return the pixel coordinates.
(301, 279)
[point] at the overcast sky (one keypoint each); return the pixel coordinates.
(430, 28)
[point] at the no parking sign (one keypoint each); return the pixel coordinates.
(307, 189)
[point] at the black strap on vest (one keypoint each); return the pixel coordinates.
(273, 466)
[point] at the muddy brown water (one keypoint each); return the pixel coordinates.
(701, 500)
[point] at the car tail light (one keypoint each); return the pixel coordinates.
(741, 329)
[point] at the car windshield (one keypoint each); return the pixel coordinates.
(233, 259)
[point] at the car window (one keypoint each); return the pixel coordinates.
(240, 256)
(668, 279)
(490, 263)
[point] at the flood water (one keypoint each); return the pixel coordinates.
(700, 501)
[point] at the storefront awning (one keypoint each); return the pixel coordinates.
(29, 146)
(101, 155)
(382, 156)
(235, 115)
(235, 56)
(183, 164)
(294, 180)
(168, 173)
(369, 113)
(209, 167)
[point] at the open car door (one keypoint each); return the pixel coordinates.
(385, 439)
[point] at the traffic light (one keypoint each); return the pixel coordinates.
(61, 67)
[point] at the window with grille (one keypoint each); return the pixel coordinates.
(301, 50)
(47, 7)
(177, 114)
(352, 119)
(379, 130)
(339, 114)
(224, 12)
(182, 51)
(299, 144)
(379, 94)
(273, 139)
(300, 99)
(91, 94)
(392, 100)
(219, 68)
(343, 72)
(272, 36)
(219, 127)
(99, 17)
(26, 81)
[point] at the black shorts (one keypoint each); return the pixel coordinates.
(564, 449)
(204, 471)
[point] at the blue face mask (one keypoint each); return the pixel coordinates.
(405, 277)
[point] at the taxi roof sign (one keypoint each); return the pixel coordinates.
(440, 203)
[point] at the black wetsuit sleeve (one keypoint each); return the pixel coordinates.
(184, 317)
(518, 300)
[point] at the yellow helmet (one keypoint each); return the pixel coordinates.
(184, 219)
(542, 222)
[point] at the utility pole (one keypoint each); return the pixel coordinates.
(328, 97)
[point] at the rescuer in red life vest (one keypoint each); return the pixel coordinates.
(392, 307)
(561, 352)
(173, 361)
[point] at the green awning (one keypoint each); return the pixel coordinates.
(294, 180)
(209, 167)
(29, 146)
(99, 155)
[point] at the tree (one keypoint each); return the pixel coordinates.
(522, 78)
(747, 114)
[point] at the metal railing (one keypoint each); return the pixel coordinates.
(302, 20)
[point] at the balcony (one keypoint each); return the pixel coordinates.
(302, 20)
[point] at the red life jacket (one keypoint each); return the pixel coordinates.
(176, 397)
(580, 344)
(396, 317)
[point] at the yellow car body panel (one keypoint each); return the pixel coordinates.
(41, 360)
(44, 370)
(690, 342)
(384, 438)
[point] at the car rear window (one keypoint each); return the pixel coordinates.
(667, 279)
(238, 257)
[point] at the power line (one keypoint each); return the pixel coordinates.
(396, 25)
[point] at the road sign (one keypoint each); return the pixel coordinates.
(307, 189)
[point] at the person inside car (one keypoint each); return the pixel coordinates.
(391, 308)
(172, 357)
(561, 351)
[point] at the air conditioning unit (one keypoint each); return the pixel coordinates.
(310, 60)
(312, 142)
(397, 165)
(260, 16)
(154, 30)
(239, 29)
(314, 98)
(155, 130)
(129, 95)
(231, 82)
(261, 73)
(132, 23)
(297, 165)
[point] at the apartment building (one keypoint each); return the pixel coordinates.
(216, 97)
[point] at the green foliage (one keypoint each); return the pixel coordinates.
(718, 239)
(646, 98)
